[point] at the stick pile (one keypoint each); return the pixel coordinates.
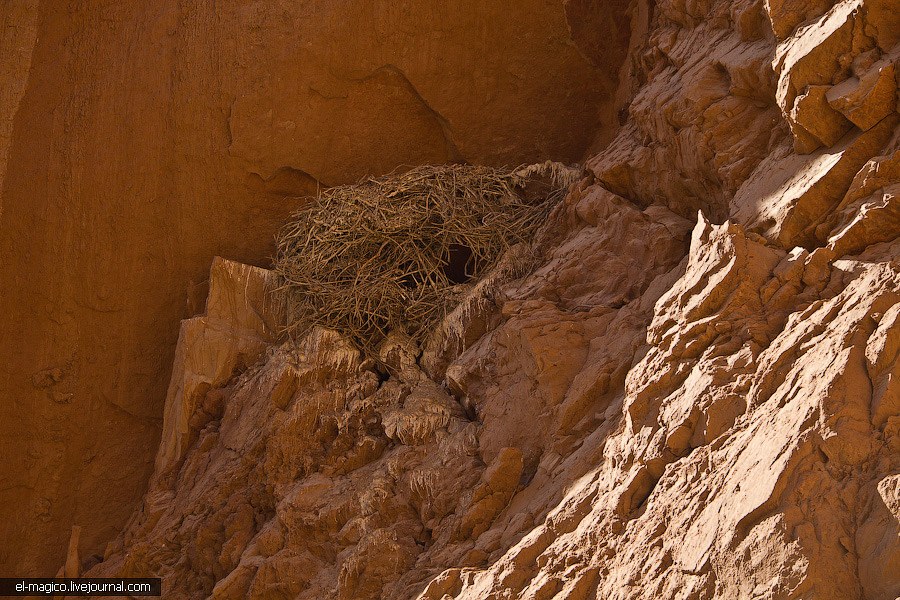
(387, 253)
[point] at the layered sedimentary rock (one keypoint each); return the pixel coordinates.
(145, 138)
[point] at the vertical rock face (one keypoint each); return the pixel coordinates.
(19, 23)
(138, 140)
(690, 393)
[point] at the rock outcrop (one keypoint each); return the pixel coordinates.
(688, 389)
(138, 140)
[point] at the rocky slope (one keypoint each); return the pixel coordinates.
(694, 395)
(140, 139)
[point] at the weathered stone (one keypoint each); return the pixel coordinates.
(786, 15)
(819, 55)
(139, 140)
(812, 116)
(685, 387)
(241, 319)
(789, 195)
(867, 99)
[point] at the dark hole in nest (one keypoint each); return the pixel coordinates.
(459, 265)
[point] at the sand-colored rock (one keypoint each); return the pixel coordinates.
(868, 98)
(840, 48)
(139, 140)
(868, 213)
(665, 514)
(789, 194)
(375, 486)
(814, 115)
(686, 388)
(18, 22)
(786, 15)
(242, 317)
(702, 120)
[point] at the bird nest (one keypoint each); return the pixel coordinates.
(397, 252)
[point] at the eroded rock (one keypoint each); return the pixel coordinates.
(686, 387)
(138, 141)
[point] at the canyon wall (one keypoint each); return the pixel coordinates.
(692, 395)
(138, 140)
(686, 388)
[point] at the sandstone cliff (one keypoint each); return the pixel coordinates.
(668, 407)
(140, 139)
(693, 395)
